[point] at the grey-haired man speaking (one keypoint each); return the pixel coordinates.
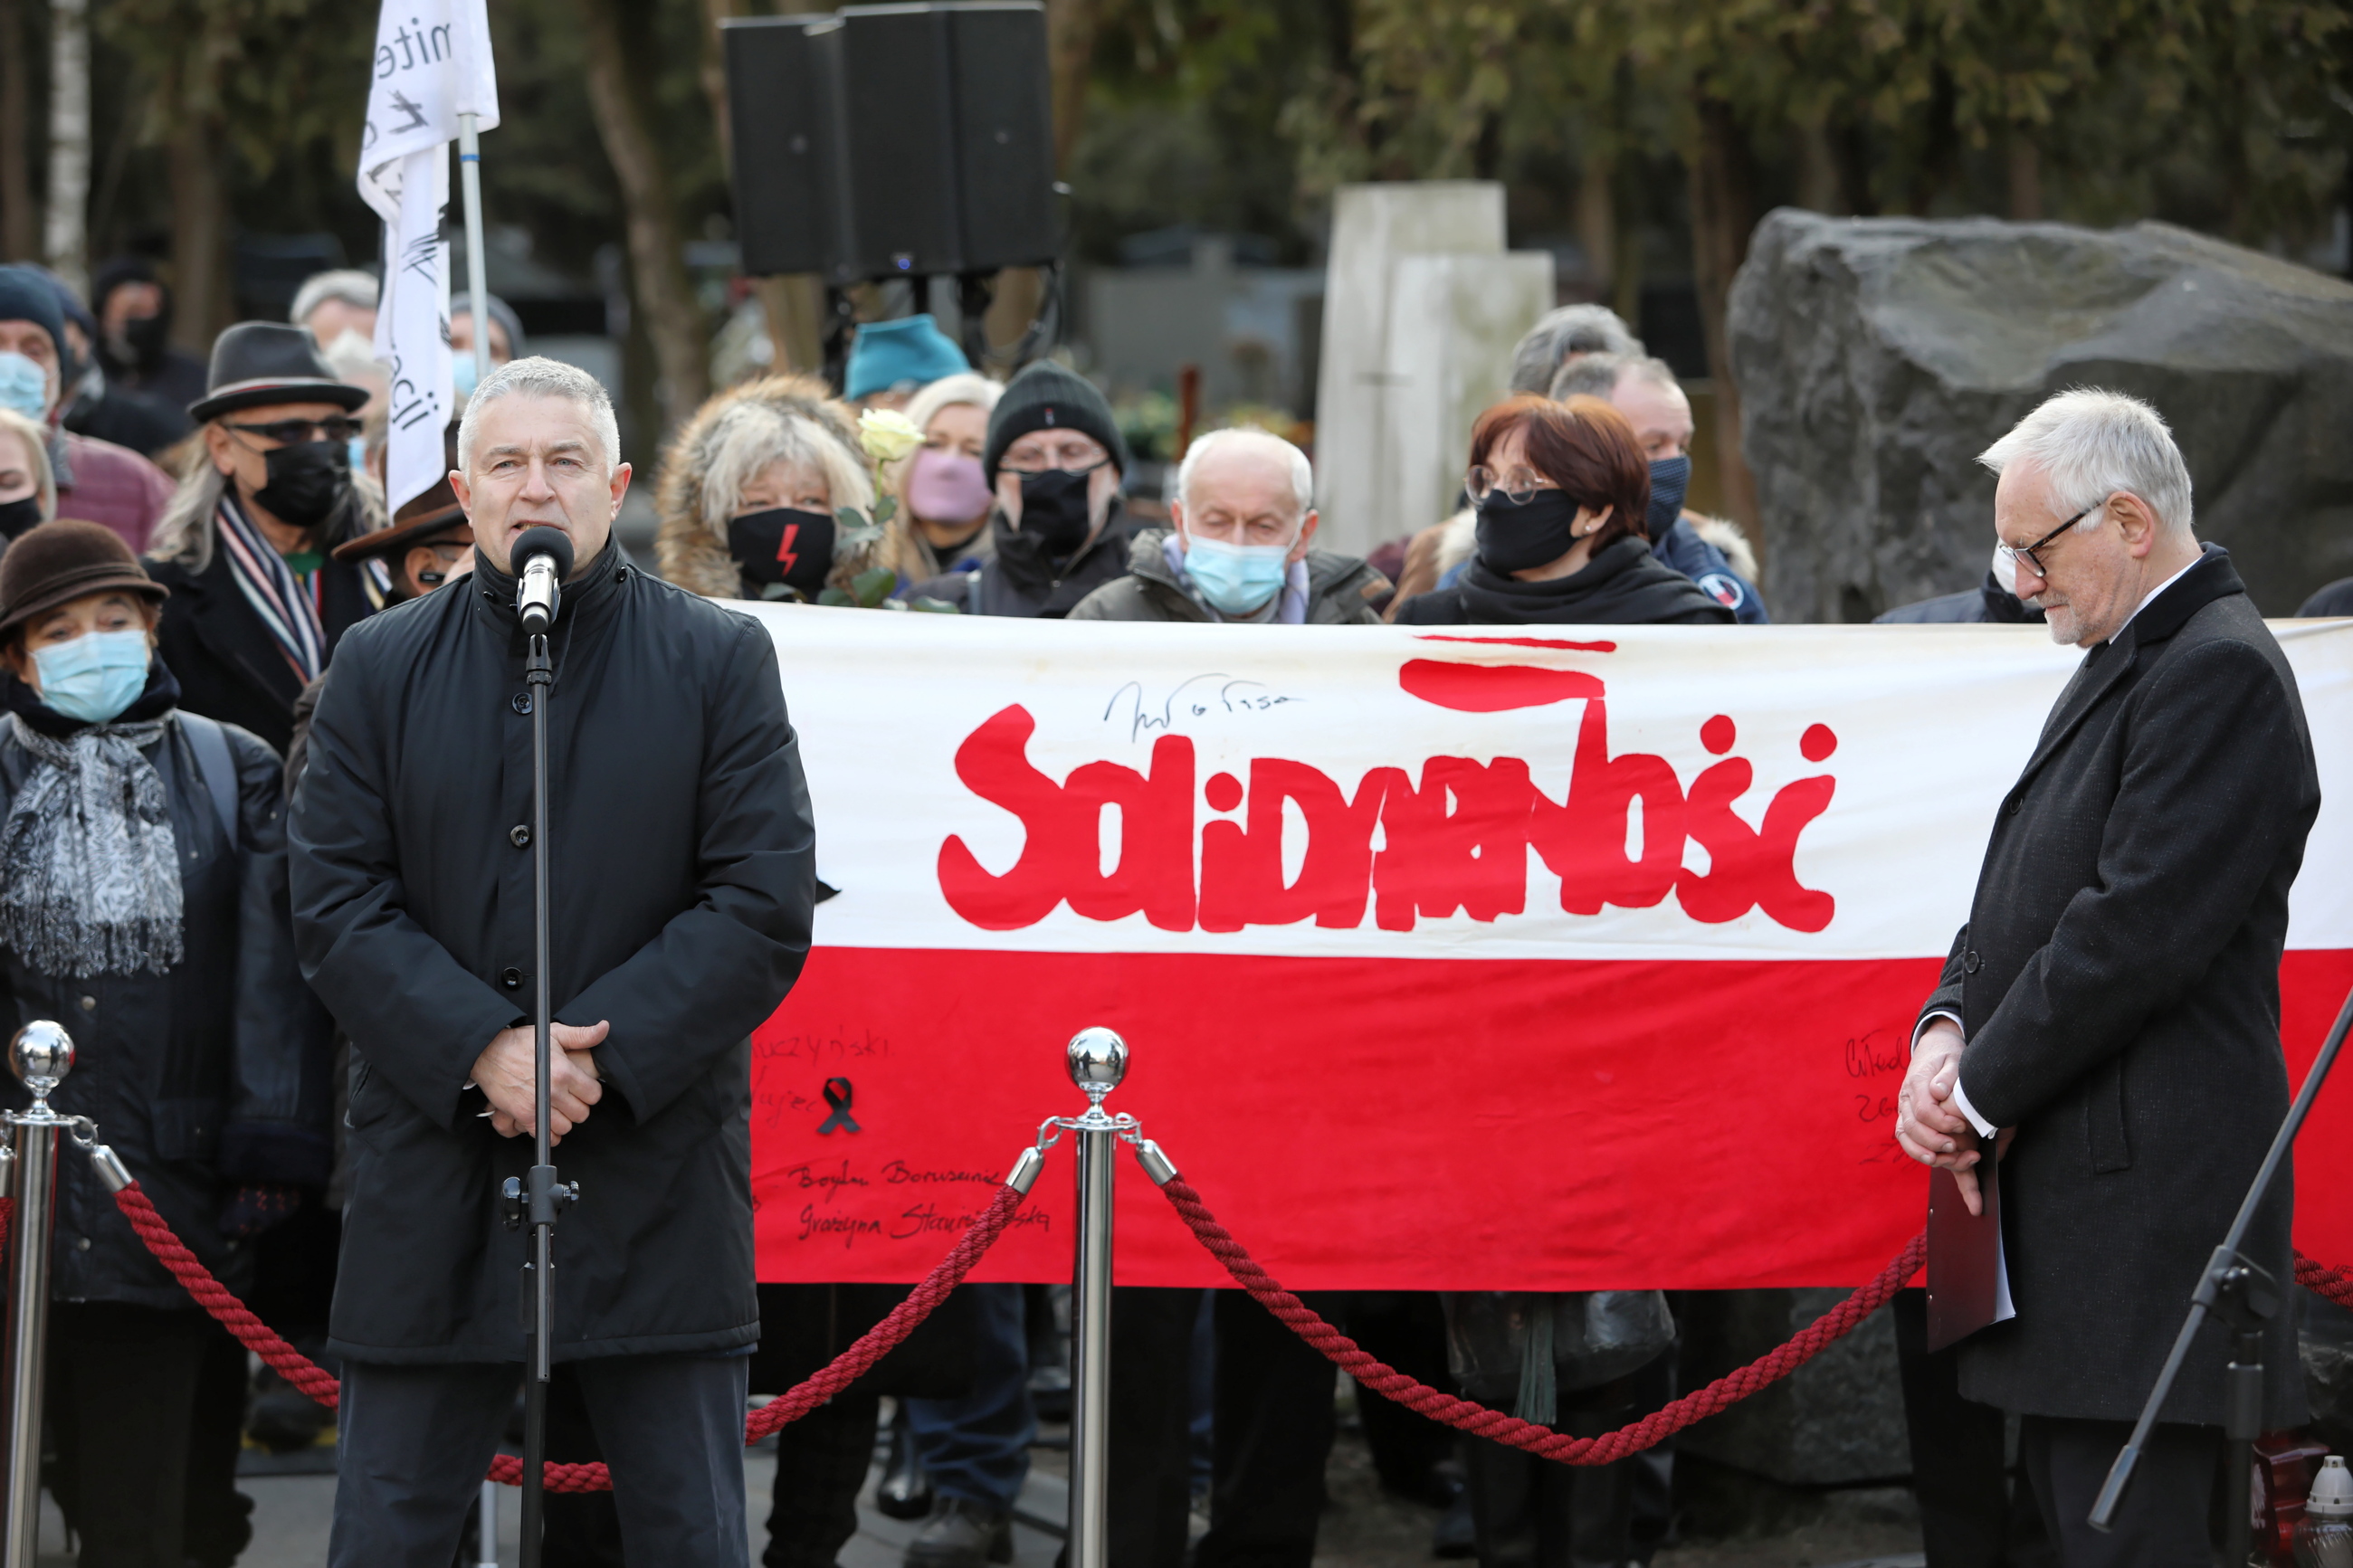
(681, 866)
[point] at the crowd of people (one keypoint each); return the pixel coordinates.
(188, 546)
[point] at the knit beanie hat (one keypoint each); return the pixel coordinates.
(27, 295)
(910, 351)
(1049, 397)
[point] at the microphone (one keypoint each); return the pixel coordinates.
(545, 557)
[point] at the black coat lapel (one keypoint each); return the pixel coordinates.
(2212, 578)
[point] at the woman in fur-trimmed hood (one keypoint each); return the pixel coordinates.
(751, 490)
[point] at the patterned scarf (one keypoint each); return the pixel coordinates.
(89, 870)
(287, 604)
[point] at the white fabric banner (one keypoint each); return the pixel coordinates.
(432, 64)
(1915, 732)
(412, 331)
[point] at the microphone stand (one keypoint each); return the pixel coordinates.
(2245, 1296)
(539, 1196)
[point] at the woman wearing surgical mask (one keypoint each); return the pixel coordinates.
(752, 492)
(504, 343)
(943, 492)
(1563, 494)
(143, 905)
(28, 492)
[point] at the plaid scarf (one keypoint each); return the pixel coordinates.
(90, 869)
(287, 604)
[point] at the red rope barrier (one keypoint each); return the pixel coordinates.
(213, 1297)
(2321, 1280)
(507, 1469)
(1478, 1419)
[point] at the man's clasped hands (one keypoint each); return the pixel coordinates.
(503, 1073)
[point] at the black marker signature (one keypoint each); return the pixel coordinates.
(1238, 695)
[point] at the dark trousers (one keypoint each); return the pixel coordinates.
(1274, 1426)
(2165, 1520)
(1970, 1514)
(122, 1390)
(416, 1441)
(821, 1461)
(1529, 1513)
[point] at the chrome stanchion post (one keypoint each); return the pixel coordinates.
(41, 1055)
(1098, 1060)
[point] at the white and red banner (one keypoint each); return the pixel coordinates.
(1487, 959)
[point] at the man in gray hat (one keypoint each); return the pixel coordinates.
(257, 603)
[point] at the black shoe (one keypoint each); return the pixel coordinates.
(904, 1491)
(962, 1535)
(1455, 1535)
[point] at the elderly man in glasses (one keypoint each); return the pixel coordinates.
(247, 546)
(2107, 1025)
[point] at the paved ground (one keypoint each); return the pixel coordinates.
(1363, 1527)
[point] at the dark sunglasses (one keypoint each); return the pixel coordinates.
(298, 432)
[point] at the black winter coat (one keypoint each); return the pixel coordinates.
(212, 1075)
(1989, 600)
(2118, 985)
(228, 665)
(1014, 579)
(1624, 584)
(683, 881)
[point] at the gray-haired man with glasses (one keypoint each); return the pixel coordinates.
(2107, 1022)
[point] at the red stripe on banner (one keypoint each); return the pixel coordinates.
(1382, 1124)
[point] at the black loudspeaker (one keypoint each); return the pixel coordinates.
(909, 141)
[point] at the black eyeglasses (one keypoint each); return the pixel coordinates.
(2014, 553)
(297, 432)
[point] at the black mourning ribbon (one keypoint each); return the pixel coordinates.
(838, 1095)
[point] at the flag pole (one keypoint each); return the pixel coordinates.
(469, 175)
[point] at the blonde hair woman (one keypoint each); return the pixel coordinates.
(943, 492)
(751, 489)
(28, 488)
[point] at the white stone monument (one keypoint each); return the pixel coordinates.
(1421, 310)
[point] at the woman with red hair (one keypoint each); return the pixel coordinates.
(1561, 489)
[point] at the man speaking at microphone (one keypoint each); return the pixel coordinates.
(681, 888)
(2110, 1013)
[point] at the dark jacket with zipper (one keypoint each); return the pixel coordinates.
(680, 864)
(1015, 579)
(2118, 987)
(211, 1074)
(1336, 586)
(230, 667)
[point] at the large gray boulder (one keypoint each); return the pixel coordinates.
(1877, 357)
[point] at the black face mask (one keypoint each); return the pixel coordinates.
(1054, 510)
(17, 516)
(1513, 537)
(1669, 478)
(782, 544)
(306, 482)
(143, 336)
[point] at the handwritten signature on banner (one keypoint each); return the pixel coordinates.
(1193, 697)
(1456, 842)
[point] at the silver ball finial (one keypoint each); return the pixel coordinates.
(42, 1051)
(1098, 1060)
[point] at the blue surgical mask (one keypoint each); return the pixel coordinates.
(1236, 578)
(94, 677)
(358, 449)
(23, 387)
(465, 374)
